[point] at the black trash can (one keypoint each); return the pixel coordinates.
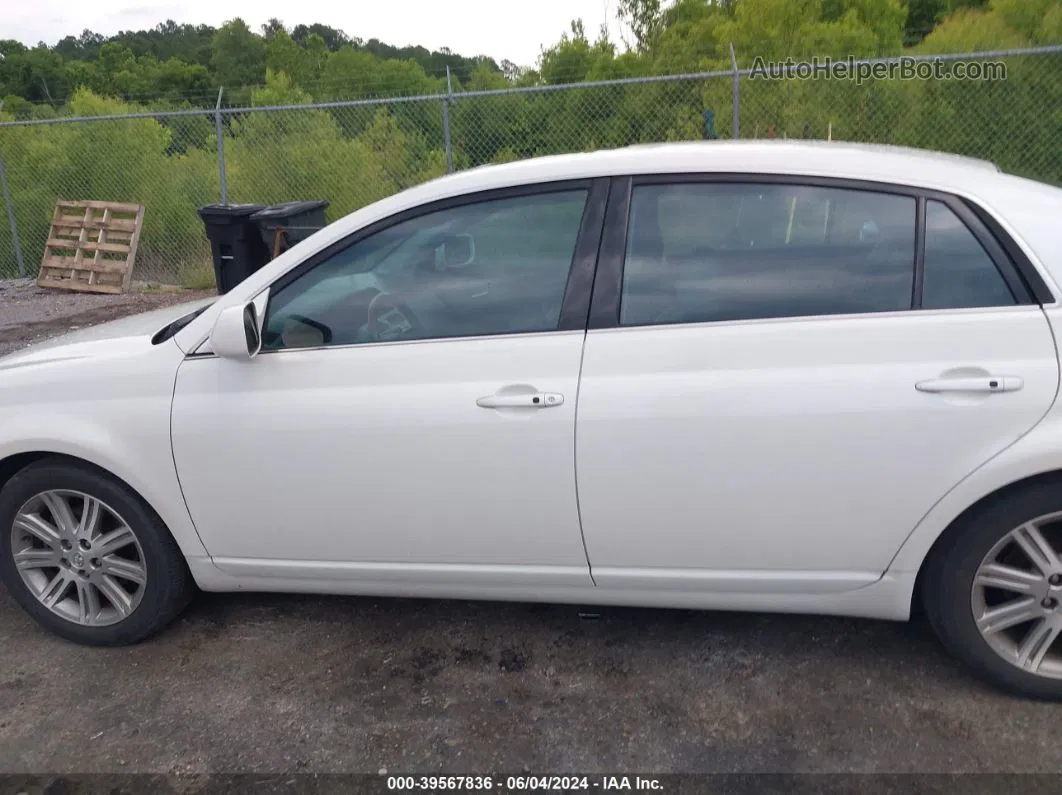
(295, 221)
(234, 241)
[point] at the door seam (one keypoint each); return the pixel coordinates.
(575, 459)
(176, 469)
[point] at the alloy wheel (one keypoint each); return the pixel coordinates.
(1017, 597)
(78, 557)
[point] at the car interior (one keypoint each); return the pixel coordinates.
(731, 252)
(485, 269)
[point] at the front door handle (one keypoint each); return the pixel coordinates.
(526, 400)
(983, 383)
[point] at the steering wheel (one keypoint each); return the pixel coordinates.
(391, 319)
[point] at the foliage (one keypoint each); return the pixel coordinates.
(238, 55)
(191, 62)
(356, 154)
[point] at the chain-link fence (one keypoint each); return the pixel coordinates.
(353, 153)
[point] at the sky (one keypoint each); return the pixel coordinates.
(495, 28)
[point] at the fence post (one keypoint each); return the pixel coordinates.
(446, 124)
(735, 122)
(221, 149)
(11, 220)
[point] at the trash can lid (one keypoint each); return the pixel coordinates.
(229, 210)
(289, 209)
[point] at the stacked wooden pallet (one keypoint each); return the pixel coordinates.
(91, 246)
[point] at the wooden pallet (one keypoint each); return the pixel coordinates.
(91, 246)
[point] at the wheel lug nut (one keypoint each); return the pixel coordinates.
(84, 544)
(1055, 579)
(65, 544)
(1049, 603)
(95, 563)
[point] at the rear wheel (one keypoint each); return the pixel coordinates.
(86, 557)
(992, 590)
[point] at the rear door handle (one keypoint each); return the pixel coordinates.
(985, 383)
(527, 400)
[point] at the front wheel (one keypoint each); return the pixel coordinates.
(86, 557)
(992, 591)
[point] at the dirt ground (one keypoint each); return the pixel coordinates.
(293, 685)
(29, 313)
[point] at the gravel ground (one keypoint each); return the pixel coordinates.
(289, 685)
(29, 313)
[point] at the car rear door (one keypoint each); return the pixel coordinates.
(782, 376)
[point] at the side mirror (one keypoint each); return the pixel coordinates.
(456, 251)
(235, 334)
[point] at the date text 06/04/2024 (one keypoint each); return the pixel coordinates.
(523, 783)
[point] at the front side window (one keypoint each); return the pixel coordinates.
(494, 267)
(736, 251)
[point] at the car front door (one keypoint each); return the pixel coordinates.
(410, 418)
(780, 379)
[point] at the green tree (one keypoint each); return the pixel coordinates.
(644, 19)
(692, 39)
(176, 80)
(1025, 17)
(16, 107)
(36, 74)
(922, 16)
(284, 55)
(570, 59)
(282, 156)
(239, 55)
(272, 27)
(333, 39)
(970, 30)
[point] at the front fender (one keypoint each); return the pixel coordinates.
(112, 412)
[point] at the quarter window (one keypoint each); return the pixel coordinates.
(958, 271)
(493, 267)
(736, 251)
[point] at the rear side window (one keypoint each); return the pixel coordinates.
(737, 251)
(958, 271)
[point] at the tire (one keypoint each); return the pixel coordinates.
(151, 556)
(953, 606)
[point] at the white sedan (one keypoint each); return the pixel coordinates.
(773, 376)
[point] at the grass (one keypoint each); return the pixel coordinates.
(197, 276)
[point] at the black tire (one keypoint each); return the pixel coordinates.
(169, 585)
(949, 577)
